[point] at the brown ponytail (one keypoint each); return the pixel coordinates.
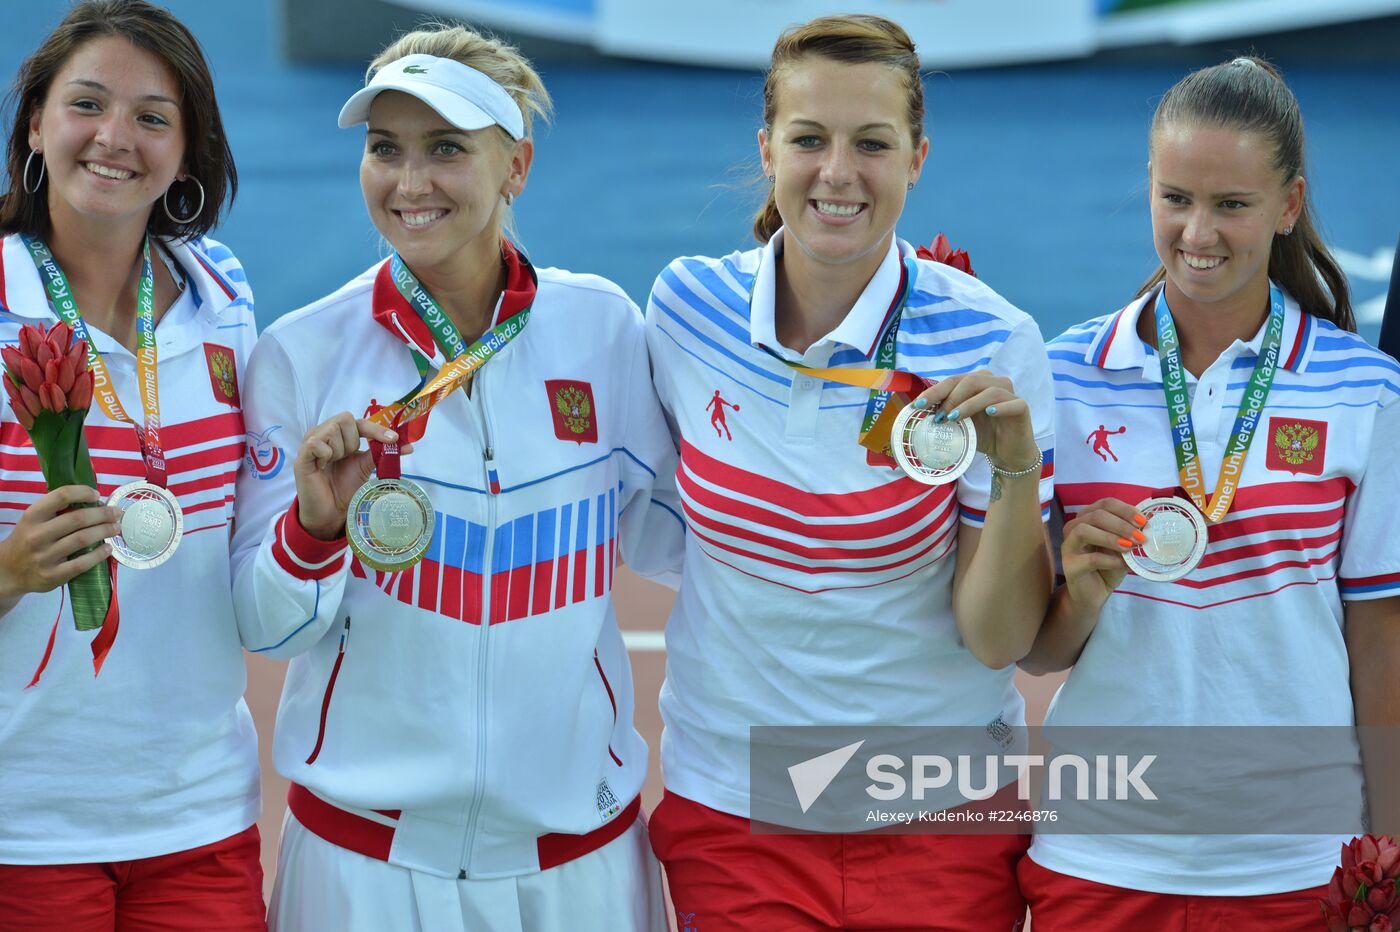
(855, 39)
(766, 223)
(1248, 94)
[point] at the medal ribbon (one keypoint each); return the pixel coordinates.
(463, 361)
(64, 305)
(882, 380)
(1251, 408)
(444, 331)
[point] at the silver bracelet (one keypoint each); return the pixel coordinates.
(1017, 473)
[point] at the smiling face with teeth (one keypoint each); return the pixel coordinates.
(435, 191)
(110, 133)
(1218, 201)
(842, 155)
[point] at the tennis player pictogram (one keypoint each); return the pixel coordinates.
(1100, 441)
(717, 416)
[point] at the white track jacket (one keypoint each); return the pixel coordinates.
(474, 713)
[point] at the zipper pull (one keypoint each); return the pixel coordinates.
(493, 482)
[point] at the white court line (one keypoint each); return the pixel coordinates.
(644, 640)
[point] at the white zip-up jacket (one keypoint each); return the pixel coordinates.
(471, 716)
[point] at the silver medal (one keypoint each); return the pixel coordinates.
(929, 452)
(389, 523)
(151, 526)
(1176, 540)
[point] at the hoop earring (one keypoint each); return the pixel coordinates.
(165, 203)
(509, 198)
(911, 186)
(24, 178)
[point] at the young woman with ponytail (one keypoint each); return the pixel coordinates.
(821, 586)
(1292, 615)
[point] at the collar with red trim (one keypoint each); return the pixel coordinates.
(1116, 344)
(393, 312)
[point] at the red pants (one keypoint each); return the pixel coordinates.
(1060, 903)
(214, 887)
(724, 877)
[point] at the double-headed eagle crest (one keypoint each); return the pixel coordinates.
(575, 408)
(222, 367)
(1295, 443)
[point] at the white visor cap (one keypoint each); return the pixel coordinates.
(460, 94)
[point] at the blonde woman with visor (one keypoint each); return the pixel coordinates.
(457, 730)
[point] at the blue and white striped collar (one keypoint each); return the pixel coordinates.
(1117, 345)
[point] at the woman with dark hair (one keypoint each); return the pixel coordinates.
(129, 799)
(1274, 599)
(820, 586)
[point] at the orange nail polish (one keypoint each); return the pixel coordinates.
(1124, 542)
(1139, 537)
(1140, 520)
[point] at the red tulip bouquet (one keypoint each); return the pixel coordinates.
(1362, 893)
(940, 251)
(50, 389)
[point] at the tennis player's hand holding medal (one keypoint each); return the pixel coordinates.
(152, 521)
(929, 439)
(339, 488)
(389, 519)
(1176, 530)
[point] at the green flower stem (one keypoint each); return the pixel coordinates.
(63, 455)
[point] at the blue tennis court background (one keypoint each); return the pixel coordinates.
(1038, 171)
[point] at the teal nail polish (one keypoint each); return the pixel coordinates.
(953, 416)
(920, 403)
(991, 409)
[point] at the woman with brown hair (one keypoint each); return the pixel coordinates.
(821, 587)
(1252, 492)
(129, 799)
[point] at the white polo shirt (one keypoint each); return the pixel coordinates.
(817, 588)
(157, 754)
(1254, 635)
